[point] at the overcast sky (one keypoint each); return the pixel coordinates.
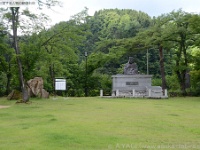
(151, 7)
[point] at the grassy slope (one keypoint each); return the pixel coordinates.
(95, 123)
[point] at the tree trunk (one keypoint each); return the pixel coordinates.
(182, 84)
(15, 17)
(8, 82)
(162, 68)
(181, 72)
(183, 69)
(52, 75)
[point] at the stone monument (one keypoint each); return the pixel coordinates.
(132, 84)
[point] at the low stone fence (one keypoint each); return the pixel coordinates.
(149, 92)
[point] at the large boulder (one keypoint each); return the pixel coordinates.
(44, 94)
(35, 88)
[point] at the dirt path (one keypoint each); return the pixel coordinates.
(4, 106)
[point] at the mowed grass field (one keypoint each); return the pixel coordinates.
(95, 123)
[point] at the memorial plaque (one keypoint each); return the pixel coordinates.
(132, 83)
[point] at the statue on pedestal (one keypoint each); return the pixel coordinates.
(130, 67)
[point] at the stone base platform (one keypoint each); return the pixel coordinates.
(135, 86)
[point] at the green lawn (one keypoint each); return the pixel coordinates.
(100, 123)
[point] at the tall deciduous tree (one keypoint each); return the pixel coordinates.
(151, 38)
(15, 24)
(178, 31)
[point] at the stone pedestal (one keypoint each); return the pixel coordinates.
(129, 82)
(130, 85)
(134, 86)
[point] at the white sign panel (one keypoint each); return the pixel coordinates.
(60, 84)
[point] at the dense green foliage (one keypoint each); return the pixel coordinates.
(109, 37)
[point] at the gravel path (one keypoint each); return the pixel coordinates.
(4, 106)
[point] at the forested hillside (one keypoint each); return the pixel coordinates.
(166, 47)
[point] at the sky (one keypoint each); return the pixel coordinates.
(151, 7)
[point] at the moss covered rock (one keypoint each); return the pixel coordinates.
(14, 95)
